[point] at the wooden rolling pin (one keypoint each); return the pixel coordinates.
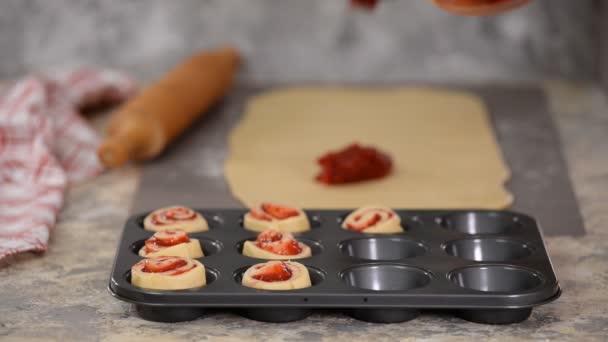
(144, 126)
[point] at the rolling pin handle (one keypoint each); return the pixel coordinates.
(117, 150)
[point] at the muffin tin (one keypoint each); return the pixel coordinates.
(484, 266)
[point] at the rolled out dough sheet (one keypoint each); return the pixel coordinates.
(443, 147)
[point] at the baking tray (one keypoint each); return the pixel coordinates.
(484, 266)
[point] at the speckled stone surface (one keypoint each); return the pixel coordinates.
(62, 295)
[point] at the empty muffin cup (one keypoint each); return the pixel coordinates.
(382, 248)
(496, 278)
(479, 222)
(487, 249)
(386, 277)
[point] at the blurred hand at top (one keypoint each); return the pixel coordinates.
(461, 7)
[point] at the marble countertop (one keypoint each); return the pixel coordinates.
(62, 295)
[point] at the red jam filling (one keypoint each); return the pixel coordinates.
(269, 211)
(288, 247)
(183, 270)
(365, 4)
(164, 264)
(279, 212)
(273, 272)
(260, 215)
(275, 242)
(166, 238)
(172, 215)
(352, 164)
(269, 236)
(171, 237)
(362, 225)
(359, 225)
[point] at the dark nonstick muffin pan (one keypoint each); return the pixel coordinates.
(484, 266)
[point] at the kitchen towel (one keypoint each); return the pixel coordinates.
(44, 145)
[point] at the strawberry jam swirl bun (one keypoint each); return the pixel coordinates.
(277, 275)
(176, 217)
(270, 216)
(171, 242)
(274, 245)
(373, 220)
(168, 273)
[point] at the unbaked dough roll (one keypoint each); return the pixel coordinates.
(276, 217)
(373, 220)
(168, 273)
(176, 217)
(171, 242)
(274, 245)
(277, 275)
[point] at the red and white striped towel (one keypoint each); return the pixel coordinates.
(44, 144)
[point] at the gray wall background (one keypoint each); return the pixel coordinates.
(603, 55)
(301, 40)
